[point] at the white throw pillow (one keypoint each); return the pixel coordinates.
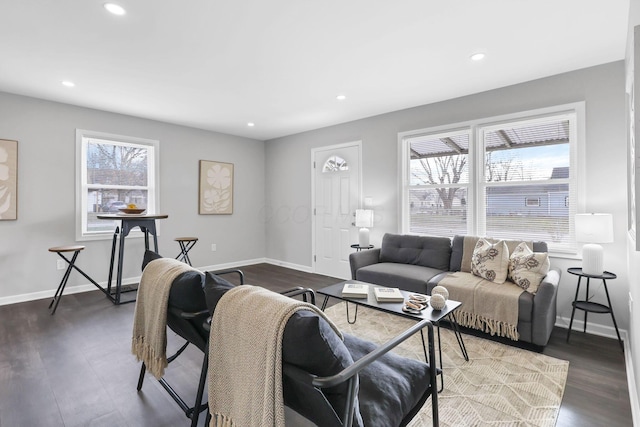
(528, 268)
(490, 261)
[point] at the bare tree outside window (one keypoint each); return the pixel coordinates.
(439, 178)
(519, 161)
(116, 171)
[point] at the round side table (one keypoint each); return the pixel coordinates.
(359, 248)
(592, 307)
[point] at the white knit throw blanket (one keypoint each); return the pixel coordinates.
(245, 357)
(149, 340)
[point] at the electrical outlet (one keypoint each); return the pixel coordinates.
(60, 264)
(214, 247)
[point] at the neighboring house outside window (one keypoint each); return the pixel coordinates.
(113, 171)
(512, 180)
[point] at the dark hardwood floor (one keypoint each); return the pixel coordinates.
(76, 369)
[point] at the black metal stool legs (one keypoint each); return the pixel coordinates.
(71, 265)
(58, 295)
(186, 243)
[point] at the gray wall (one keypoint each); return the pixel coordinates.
(45, 132)
(602, 88)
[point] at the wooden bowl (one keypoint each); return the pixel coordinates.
(132, 211)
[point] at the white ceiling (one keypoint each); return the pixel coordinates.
(216, 65)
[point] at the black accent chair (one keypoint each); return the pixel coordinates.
(186, 313)
(330, 382)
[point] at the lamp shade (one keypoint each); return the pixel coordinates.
(364, 218)
(594, 228)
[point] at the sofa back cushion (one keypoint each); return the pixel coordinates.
(427, 251)
(462, 250)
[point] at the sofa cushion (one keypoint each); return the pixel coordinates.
(408, 277)
(490, 261)
(427, 251)
(528, 268)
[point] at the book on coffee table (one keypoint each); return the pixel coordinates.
(388, 295)
(355, 290)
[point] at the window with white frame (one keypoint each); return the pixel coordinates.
(512, 180)
(438, 183)
(113, 172)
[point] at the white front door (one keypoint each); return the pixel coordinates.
(337, 196)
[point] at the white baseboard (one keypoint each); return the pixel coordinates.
(235, 264)
(298, 267)
(304, 268)
(592, 328)
(14, 299)
(631, 381)
(68, 290)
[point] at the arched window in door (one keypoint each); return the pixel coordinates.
(335, 164)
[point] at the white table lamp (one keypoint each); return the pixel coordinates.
(592, 229)
(364, 220)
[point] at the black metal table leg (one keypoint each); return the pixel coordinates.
(586, 298)
(147, 226)
(615, 324)
(573, 312)
(458, 335)
(589, 306)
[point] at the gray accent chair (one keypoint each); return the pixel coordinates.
(329, 382)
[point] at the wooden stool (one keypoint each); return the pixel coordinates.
(71, 265)
(186, 243)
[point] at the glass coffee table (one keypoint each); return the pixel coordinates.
(395, 308)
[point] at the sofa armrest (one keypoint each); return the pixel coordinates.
(362, 259)
(544, 308)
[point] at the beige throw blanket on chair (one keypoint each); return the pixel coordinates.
(149, 341)
(245, 357)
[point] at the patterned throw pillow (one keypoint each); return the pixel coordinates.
(490, 261)
(528, 268)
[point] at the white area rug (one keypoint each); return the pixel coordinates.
(500, 385)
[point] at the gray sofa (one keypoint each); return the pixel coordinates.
(419, 263)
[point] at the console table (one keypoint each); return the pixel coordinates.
(587, 305)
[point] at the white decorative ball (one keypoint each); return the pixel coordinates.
(440, 290)
(437, 301)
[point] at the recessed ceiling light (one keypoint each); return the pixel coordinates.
(341, 97)
(251, 124)
(115, 9)
(68, 83)
(477, 56)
